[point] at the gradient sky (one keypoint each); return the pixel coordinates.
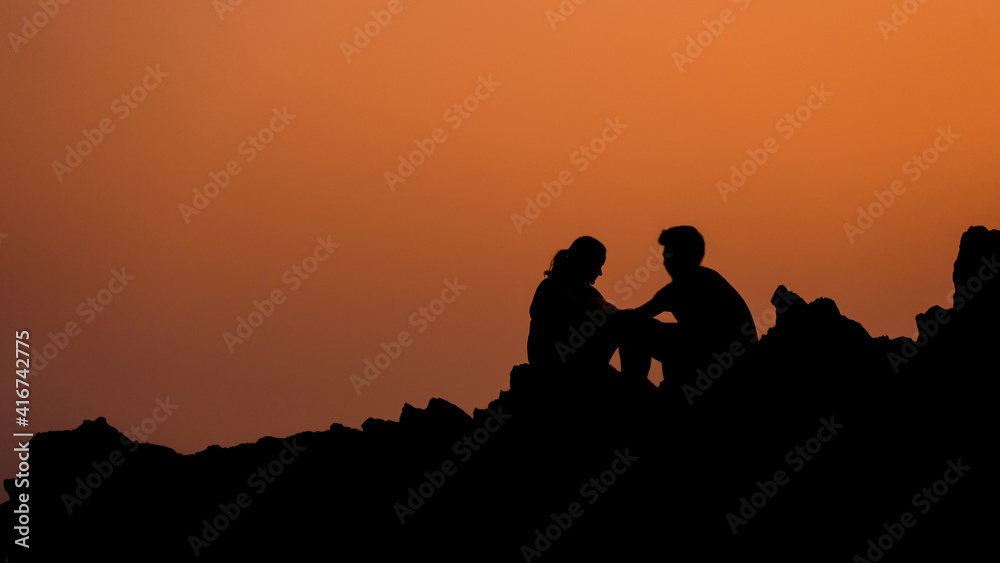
(690, 113)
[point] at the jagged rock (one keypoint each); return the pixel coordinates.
(590, 468)
(439, 415)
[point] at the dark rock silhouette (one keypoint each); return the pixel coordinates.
(813, 446)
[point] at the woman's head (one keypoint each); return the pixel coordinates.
(582, 260)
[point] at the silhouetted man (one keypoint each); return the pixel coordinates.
(711, 315)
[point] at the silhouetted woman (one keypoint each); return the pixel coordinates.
(571, 322)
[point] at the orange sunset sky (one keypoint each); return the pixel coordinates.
(117, 114)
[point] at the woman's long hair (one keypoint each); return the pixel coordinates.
(575, 259)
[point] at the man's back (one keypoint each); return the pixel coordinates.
(705, 304)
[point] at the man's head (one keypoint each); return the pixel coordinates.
(683, 249)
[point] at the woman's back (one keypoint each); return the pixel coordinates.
(566, 318)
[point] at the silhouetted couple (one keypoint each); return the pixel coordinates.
(574, 329)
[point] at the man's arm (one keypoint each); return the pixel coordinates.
(650, 309)
(658, 304)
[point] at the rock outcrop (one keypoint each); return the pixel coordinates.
(819, 443)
